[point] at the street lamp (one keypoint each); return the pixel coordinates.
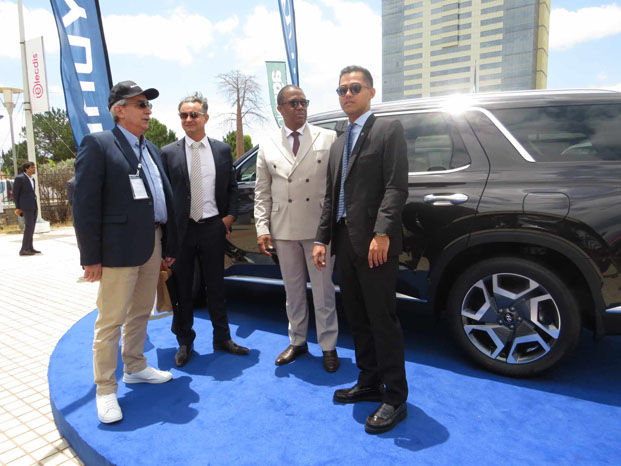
(7, 96)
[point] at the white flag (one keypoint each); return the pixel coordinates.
(37, 76)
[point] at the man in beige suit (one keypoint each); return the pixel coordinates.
(290, 187)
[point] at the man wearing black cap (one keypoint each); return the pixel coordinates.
(122, 206)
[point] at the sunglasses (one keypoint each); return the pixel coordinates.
(355, 89)
(301, 103)
(141, 104)
(192, 115)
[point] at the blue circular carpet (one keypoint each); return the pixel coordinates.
(223, 409)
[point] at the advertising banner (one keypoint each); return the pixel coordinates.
(84, 66)
(287, 18)
(276, 80)
(37, 76)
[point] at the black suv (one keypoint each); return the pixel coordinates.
(512, 226)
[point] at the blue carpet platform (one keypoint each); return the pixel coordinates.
(222, 409)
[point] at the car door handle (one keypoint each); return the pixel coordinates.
(445, 199)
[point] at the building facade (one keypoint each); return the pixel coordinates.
(439, 47)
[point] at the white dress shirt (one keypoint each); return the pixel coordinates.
(208, 168)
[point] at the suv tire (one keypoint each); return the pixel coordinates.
(513, 316)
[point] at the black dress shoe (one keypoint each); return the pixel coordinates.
(358, 393)
(183, 355)
(35, 251)
(385, 418)
(230, 347)
(26, 253)
(291, 353)
(330, 361)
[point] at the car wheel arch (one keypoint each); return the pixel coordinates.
(483, 245)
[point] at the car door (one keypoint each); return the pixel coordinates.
(447, 175)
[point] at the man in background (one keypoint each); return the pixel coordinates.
(26, 206)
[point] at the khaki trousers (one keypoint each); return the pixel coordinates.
(296, 261)
(126, 298)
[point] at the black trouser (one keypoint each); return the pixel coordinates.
(207, 240)
(370, 305)
(30, 220)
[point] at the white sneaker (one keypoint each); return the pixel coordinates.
(147, 375)
(108, 409)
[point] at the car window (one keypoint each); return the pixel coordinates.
(566, 133)
(248, 169)
(433, 143)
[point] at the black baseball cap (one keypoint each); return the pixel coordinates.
(127, 89)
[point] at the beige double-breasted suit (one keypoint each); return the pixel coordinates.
(289, 197)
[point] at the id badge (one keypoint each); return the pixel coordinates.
(138, 188)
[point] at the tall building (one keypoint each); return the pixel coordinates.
(439, 47)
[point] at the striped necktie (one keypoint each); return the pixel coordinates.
(196, 184)
(340, 213)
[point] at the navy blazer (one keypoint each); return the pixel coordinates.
(23, 193)
(176, 167)
(376, 187)
(112, 227)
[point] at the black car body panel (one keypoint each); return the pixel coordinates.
(530, 175)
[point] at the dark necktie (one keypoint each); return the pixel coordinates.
(296, 142)
(340, 213)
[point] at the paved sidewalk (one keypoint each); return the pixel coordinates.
(40, 299)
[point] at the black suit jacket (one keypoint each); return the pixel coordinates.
(23, 193)
(112, 227)
(376, 186)
(176, 167)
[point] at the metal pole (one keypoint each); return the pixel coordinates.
(42, 225)
(7, 95)
(13, 143)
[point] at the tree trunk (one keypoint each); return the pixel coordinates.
(239, 140)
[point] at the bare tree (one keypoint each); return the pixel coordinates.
(244, 94)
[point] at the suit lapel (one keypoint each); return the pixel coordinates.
(356, 150)
(125, 148)
(216, 157)
(285, 147)
(183, 162)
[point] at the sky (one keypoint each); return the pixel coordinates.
(181, 46)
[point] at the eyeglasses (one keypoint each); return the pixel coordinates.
(295, 103)
(141, 104)
(192, 115)
(355, 89)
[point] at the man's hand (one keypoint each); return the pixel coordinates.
(378, 250)
(92, 273)
(319, 256)
(265, 243)
(228, 221)
(169, 261)
(18, 212)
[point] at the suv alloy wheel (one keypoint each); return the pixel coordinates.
(513, 316)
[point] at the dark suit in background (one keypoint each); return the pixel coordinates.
(26, 201)
(205, 238)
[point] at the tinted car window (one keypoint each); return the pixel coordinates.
(248, 170)
(566, 133)
(433, 143)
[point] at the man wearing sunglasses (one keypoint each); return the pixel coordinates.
(289, 192)
(201, 172)
(122, 208)
(367, 187)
